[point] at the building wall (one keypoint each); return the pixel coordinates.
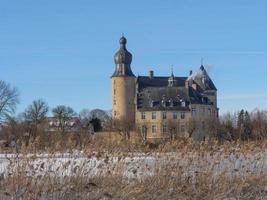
(123, 98)
(198, 119)
(202, 116)
(174, 126)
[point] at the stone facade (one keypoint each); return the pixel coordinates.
(123, 98)
(163, 107)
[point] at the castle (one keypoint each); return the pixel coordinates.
(161, 107)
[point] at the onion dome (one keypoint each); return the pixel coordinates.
(123, 60)
(123, 56)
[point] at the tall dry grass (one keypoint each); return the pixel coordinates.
(169, 180)
(165, 184)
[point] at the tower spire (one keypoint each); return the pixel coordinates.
(172, 71)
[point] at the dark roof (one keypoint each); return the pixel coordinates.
(202, 75)
(158, 81)
(155, 94)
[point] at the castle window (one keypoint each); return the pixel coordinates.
(164, 115)
(143, 115)
(164, 128)
(114, 101)
(152, 104)
(154, 129)
(114, 91)
(182, 115)
(115, 113)
(194, 112)
(182, 128)
(163, 103)
(174, 115)
(153, 115)
(209, 111)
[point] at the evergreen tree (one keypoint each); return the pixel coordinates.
(247, 126)
(240, 123)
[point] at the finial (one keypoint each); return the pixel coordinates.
(123, 40)
(172, 70)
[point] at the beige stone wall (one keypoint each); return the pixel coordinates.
(123, 98)
(159, 122)
(197, 118)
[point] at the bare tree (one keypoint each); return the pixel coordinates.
(141, 129)
(213, 127)
(63, 114)
(95, 118)
(172, 129)
(9, 98)
(191, 126)
(123, 127)
(259, 124)
(35, 114)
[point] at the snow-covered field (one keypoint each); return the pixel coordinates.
(133, 165)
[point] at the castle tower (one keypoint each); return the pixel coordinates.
(123, 85)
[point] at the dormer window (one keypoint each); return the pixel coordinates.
(152, 103)
(171, 82)
(163, 101)
(183, 104)
(171, 103)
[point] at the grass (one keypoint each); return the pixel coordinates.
(169, 180)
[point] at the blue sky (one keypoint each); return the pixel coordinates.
(62, 50)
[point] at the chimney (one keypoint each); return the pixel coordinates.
(151, 74)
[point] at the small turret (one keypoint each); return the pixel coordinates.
(171, 80)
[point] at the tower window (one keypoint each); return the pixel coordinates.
(114, 91)
(114, 101)
(143, 115)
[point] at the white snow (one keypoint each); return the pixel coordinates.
(134, 165)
